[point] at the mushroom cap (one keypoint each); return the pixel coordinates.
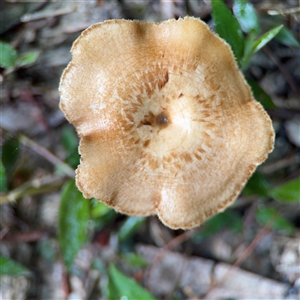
(166, 121)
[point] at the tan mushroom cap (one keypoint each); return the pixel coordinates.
(168, 125)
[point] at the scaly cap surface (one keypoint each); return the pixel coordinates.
(167, 123)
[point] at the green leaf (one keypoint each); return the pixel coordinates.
(105, 220)
(10, 267)
(98, 209)
(135, 260)
(27, 58)
(228, 28)
(8, 55)
(266, 38)
(72, 222)
(10, 154)
(121, 286)
(70, 143)
(130, 226)
(288, 192)
(270, 216)
(246, 15)
(101, 214)
(253, 46)
(3, 179)
(69, 139)
(226, 219)
(286, 37)
(260, 95)
(257, 185)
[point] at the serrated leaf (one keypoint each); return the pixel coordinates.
(260, 95)
(10, 267)
(246, 15)
(27, 58)
(3, 179)
(228, 28)
(286, 37)
(130, 226)
(257, 185)
(288, 192)
(122, 286)
(72, 222)
(8, 55)
(270, 216)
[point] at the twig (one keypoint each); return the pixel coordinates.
(4, 232)
(285, 11)
(279, 164)
(283, 70)
(181, 238)
(23, 237)
(46, 14)
(173, 243)
(48, 155)
(66, 283)
(242, 258)
(34, 187)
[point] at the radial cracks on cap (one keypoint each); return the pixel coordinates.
(175, 113)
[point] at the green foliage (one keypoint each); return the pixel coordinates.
(288, 192)
(9, 157)
(98, 209)
(257, 185)
(122, 287)
(135, 260)
(10, 154)
(247, 17)
(286, 37)
(70, 143)
(130, 226)
(8, 55)
(255, 45)
(10, 267)
(227, 219)
(3, 179)
(73, 222)
(101, 214)
(260, 95)
(231, 29)
(10, 59)
(270, 216)
(27, 58)
(228, 28)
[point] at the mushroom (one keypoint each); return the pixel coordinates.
(166, 121)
